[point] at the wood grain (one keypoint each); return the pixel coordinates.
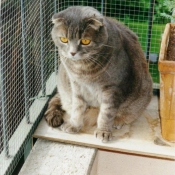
(167, 89)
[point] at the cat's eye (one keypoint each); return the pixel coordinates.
(64, 40)
(85, 41)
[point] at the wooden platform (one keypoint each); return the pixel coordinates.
(143, 137)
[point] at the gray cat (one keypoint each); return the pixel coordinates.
(103, 66)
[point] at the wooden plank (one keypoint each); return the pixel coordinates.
(48, 157)
(172, 110)
(164, 43)
(142, 137)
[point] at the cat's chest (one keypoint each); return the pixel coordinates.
(91, 94)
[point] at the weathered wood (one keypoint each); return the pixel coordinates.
(167, 89)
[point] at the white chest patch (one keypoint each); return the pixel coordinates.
(92, 94)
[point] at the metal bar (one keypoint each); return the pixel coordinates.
(56, 50)
(102, 6)
(25, 61)
(42, 48)
(105, 8)
(150, 24)
(3, 95)
(173, 14)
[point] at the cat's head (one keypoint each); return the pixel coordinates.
(79, 32)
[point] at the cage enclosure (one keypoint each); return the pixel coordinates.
(29, 61)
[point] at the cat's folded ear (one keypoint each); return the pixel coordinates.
(95, 23)
(56, 19)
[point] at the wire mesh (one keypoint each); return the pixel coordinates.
(27, 60)
(28, 56)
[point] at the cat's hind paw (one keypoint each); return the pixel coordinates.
(69, 128)
(103, 135)
(54, 118)
(118, 123)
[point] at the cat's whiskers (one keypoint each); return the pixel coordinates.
(114, 47)
(98, 63)
(65, 58)
(107, 45)
(103, 57)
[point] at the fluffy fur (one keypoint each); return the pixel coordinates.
(110, 73)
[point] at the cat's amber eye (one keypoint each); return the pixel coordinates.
(64, 40)
(85, 41)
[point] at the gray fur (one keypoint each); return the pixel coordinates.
(110, 73)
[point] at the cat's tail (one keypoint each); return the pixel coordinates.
(54, 113)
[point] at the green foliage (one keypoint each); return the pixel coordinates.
(167, 16)
(170, 6)
(153, 69)
(136, 10)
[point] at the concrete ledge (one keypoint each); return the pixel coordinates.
(49, 157)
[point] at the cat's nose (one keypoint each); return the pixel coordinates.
(72, 53)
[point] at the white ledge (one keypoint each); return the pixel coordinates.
(48, 157)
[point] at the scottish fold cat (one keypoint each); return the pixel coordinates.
(102, 66)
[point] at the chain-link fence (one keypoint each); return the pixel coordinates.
(28, 56)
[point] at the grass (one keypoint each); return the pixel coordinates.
(153, 69)
(141, 29)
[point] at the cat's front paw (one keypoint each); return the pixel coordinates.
(69, 128)
(54, 117)
(103, 135)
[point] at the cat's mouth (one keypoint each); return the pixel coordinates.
(73, 58)
(68, 58)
